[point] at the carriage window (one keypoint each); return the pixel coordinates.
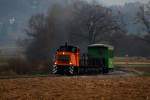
(111, 53)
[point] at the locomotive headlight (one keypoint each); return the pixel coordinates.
(63, 53)
(70, 63)
(55, 63)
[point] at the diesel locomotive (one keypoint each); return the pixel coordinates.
(68, 59)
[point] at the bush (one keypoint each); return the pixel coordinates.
(40, 67)
(19, 66)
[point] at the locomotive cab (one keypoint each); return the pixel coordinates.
(66, 59)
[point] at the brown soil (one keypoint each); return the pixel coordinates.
(142, 69)
(76, 88)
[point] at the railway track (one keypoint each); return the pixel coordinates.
(118, 72)
(27, 76)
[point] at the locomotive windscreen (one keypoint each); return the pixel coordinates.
(63, 58)
(68, 48)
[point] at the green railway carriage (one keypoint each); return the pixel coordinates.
(102, 52)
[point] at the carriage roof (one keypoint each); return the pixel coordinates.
(101, 45)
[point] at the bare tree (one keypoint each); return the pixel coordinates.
(40, 36)
(92, 23)
(80, 23)
(143, 16)
(120, 19)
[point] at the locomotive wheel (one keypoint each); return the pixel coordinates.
(71, 70)
(76, 71)
(105, 70)
(55, 69)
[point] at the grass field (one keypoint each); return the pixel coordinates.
(139, 64)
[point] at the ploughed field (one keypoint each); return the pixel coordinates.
(97, 87)
(129, 81)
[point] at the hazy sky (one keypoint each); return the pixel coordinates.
(120, 2)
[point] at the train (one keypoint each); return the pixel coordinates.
(69, 61)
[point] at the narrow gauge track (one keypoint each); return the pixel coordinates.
(115, 73)
(27, 76)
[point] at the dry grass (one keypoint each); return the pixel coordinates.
(132, 61)
(76, 88)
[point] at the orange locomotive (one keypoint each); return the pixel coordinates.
(66, 60)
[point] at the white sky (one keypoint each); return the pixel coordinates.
(119, 2)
